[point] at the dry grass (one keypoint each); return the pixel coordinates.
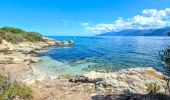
(154, 74)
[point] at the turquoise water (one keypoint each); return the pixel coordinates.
(101, 53)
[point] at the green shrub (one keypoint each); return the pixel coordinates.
(15, 35)
(153, 88)
(34, 36)
(9, 91)
(0, 40)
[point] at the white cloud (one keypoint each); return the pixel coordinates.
(149, 19)
(84, 24)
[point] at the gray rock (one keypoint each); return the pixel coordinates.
(102, 84)
(78, 78)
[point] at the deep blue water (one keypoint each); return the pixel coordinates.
(103, 53)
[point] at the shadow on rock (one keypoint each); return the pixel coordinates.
(131, 97)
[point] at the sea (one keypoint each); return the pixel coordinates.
(96, 53)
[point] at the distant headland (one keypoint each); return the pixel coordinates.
(138, 32)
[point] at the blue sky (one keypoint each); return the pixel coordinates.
(83, 17)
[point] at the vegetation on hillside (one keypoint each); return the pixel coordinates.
(15, 35)
(10, 90)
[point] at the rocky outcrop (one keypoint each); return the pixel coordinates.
(120, 85)
(28, 47)
(51, 41)
(17, 58)
(133, 80)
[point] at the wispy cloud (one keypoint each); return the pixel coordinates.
(66, 22)
(148, 19)
(84, 24)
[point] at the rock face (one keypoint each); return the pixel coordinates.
(133, 80)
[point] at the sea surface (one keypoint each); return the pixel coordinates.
(101, 54)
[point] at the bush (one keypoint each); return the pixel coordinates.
(0, 40)
(15, 35)
(153, 88)
(9, 91)
(34, 36)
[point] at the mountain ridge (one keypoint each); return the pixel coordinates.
(136, 32)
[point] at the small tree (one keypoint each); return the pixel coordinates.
(169, 33)
(164, 57)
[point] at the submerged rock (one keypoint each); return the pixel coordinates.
(64, 43)
(71, 42)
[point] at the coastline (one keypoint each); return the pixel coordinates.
(18, 58)
(18, 66)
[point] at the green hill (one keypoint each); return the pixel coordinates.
(16, 35)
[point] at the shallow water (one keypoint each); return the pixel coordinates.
(101, 53)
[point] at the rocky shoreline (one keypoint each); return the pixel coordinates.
(16, 60)
(133, 80)
(96, 84)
